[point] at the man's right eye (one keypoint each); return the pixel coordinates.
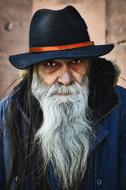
(51, 66)
(51, 63)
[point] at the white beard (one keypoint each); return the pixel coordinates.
(65, 134)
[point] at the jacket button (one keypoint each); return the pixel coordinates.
(99, 181)
(17, 178)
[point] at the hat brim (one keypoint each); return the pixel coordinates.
(23, 61)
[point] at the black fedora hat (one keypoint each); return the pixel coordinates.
(58, 34)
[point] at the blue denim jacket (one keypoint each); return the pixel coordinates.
(107, 159)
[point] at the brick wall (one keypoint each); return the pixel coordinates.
(14, 19)
(116, 33)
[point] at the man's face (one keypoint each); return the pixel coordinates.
(63, 71)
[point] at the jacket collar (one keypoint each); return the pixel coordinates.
(102, 98)
(101, 130)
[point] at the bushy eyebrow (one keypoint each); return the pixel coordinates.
(66, 60)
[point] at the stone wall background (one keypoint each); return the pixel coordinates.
(14, 25)
(106, 22)
(116, 33)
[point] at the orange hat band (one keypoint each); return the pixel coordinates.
(62, 47)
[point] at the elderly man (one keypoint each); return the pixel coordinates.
(64, 125)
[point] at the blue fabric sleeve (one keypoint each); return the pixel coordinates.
(3, 108)
(123, 155)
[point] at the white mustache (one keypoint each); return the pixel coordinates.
(61, 89)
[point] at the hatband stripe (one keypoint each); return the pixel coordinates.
(61, 47)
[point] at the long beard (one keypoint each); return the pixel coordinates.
(65, 134)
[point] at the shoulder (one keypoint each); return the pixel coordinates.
(4, 102)
(121, 93)
(3, 109)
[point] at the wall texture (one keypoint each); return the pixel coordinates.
(116, 33)
(14, 19)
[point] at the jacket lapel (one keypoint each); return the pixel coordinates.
(100, 130)
(99, 137)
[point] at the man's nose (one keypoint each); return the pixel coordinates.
(65, 78)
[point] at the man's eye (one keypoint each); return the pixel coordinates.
(51, 64)
(76, 61)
